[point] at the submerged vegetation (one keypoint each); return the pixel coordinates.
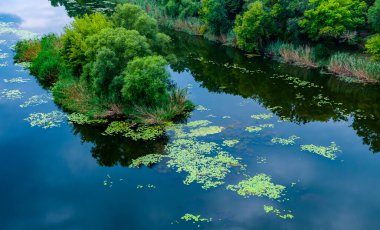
(109, 70)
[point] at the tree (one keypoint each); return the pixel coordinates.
(145, 82)
(253, 27)
(74, 45)
(374, 16)
(108, 54)
(373, 47)
(331, 18)
(214, 13)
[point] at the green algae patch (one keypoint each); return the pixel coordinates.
(17, 80)
(36, 100)
(150, 186)
(46, 120)
(198, 123)
(255, 129)
(262, 116)
(195, 218)
(204, 131)
(285, 141)
(204, 162)
(139, 133)
(147, 160)
(259, 185)
(230, 143)
(82, 119)
(11, 94)
(328, 152)
(277, 212)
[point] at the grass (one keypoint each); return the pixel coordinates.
(300, 55)
(356, 67)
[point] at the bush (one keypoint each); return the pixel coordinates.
(145, 82)
(372, 46)
(356, 67)
(48, 64)
(27, 51)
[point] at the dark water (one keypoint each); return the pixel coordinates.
(60, 178)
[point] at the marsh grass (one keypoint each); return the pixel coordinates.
(360, 68)
(298, 55)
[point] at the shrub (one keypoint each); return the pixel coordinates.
(372, 46)
(27, 51)
(353, 66)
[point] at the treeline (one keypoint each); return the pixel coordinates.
(309, 28)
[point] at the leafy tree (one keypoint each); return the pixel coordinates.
(74, 45)
(182, 8)
(253, 27)
(373, 47)
(330, 18)
(108, 53)
(145, 82)
(374, 16)
(214, 13)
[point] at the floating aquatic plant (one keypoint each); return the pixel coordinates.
(285, 141)
(226, 117)
(36, 100)
(11, 94)
(151, 186)
(140, 133)
(146, 160)
(271, 209)
(3, 55)
(230, 143)
(204, 131)
(259, 185)
(82, 119)
(328, 152)
(198, 123)
(46, 120)
(195, 218)
(201, 108)
(261, 160)
(17, 80)
(204, 162)
(262, 116)
(255, 129)
(3, 64)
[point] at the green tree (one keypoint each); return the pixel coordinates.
(145, 82)
(107, 55)
(73, 39)
(374, 16)
(214, 13)
(253, 27)
(331, 18)
(373, 47)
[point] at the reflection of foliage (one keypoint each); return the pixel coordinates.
(80, 7)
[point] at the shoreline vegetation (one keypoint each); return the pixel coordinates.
(110, 70)
(307, 33)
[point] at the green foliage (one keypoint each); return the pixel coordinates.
(147, 160)
(214, 13)
(27, 50)
(145, 82)
(74, 45)
(372, 46)
(374, 16)
(260, 185)
(230, 143)
(82, 119)
(330, 18)
(253, 27)
(48, 63)
(195, 218)
(182, 8)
